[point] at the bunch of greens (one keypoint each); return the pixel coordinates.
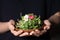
(29, 21)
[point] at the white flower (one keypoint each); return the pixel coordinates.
(26, 18)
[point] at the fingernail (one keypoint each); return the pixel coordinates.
(32, 33)
(21, 31)
(36, 30)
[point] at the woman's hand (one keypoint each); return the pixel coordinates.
(19, 33)
(38, 32)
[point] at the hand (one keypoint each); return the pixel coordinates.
(47, 25)
(11, 24)
(38, 32)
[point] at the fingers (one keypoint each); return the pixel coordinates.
(38, 32)
(12, 22)
(10, 26)
(24, 34)
(16, 33)
(47, 22)
(43, 31)
(47, 25)
(35, 33)
(32, 32)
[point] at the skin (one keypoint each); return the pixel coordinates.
(6, 26)
(36, 32)
(3, 27)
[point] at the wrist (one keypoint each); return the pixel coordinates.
(55, 19)
(7, 25)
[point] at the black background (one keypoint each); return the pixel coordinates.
(10, 8)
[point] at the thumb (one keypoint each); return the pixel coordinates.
(47, 22)
(12, 22)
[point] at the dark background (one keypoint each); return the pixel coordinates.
(50, 7)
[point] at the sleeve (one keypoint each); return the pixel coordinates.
(55, 18)
(53, 6)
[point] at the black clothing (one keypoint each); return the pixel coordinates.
(10, 9)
